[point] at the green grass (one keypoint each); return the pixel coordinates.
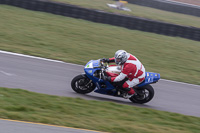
(96, 115)
(78, 41)
(140, 11)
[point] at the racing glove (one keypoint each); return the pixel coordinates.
(105, 60)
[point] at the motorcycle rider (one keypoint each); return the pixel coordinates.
(131, 68)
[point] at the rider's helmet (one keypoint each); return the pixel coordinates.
(121, 57)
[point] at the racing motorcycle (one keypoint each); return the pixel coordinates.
(92, 80)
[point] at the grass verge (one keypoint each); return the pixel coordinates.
(96, 115)
(78, 41)
(140, 11)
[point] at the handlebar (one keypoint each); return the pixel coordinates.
(103, 65)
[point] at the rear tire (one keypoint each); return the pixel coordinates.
(82, 84)
(145, 94)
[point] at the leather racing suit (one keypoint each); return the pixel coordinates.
(133, 70)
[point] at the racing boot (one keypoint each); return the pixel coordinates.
(129, 94)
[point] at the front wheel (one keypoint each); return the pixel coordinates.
(144, 94)
(82, 84)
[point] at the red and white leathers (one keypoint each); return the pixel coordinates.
(132, 69)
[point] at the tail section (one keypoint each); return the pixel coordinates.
(150, 78)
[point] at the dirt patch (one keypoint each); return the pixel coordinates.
(194, 2)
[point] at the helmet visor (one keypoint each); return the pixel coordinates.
(118, 61)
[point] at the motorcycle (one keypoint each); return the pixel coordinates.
(92, 80)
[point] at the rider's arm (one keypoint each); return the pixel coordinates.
(127, 70)
(111, 60)
(120, 77)
(124, 73)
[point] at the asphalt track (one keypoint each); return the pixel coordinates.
(179, 3)
(12, 126)
(54, 78)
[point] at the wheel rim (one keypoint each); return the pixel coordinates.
(83, 84)
(144, 95)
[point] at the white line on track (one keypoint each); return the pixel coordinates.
(34, 57)
(6, 73)
(29, 56)
(180, 82)
(182, 3)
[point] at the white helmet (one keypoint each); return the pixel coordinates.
(121, 57)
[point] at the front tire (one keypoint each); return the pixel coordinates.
(145, 94)
(82, 84)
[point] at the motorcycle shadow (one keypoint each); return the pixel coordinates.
(94, 96)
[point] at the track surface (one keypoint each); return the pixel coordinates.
(9, 126)
(54, 78)
(193, 2)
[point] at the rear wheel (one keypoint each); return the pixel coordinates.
(82, 84)
(144, 94)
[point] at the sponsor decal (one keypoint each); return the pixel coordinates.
(89, 65)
